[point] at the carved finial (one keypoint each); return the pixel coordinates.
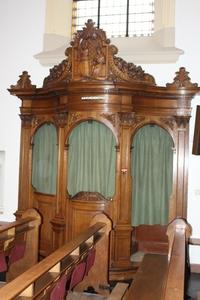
(182, 80)
(24, 82)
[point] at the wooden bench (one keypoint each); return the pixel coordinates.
(19, 243)
(39, 281)
(160, 276)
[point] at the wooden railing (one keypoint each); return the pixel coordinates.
(37, 282)
(19, 244)
(162, 277)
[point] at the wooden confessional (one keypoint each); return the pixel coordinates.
(94, 85)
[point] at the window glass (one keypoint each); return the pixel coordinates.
(117, 18)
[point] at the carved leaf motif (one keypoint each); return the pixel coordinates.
(127, 118)
(110, 117)
(74, 117)
(26, 120)
(182, 121)
(61, 119)
(168, 121)
(59, 73)
(182, 80)
(24, 82)
(121, 70)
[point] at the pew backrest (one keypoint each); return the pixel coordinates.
(19, 243)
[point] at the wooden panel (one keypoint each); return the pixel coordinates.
(45, 205)
(81, 214)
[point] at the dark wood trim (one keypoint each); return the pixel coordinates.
(196, 140)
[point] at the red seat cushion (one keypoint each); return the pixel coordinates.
(77, 274)
(17, 252)
(90, 260)
(59, 290)
(3, 264)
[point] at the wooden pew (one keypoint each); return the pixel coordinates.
(160, 276)
(19, 243)
(39, 280)
(178, 233)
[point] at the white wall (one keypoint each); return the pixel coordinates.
(21, 32)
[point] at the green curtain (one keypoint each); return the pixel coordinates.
(92, 159)
(152, 171)
(44, 164)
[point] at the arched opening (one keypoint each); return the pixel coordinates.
(91, 159)
(44, 160)
(152, 175)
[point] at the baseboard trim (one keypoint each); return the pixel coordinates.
(195, 268)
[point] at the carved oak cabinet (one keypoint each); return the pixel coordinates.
(93, 84)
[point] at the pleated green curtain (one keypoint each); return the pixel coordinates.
(152, 171)
(44, 163)
(92, 159)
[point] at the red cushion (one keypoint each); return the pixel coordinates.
(3, 264)
(90, 260)
(59, 292)
(17, 252)
(77, 274)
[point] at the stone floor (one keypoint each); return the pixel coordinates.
(193, 286)
(84, 296)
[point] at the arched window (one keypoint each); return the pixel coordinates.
(44, 163)
(91, 159)
(152, 172)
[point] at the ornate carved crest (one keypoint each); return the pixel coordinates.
(182, 80)
(92, 58)
(24, 82)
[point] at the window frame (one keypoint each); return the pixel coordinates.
(100, 23)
